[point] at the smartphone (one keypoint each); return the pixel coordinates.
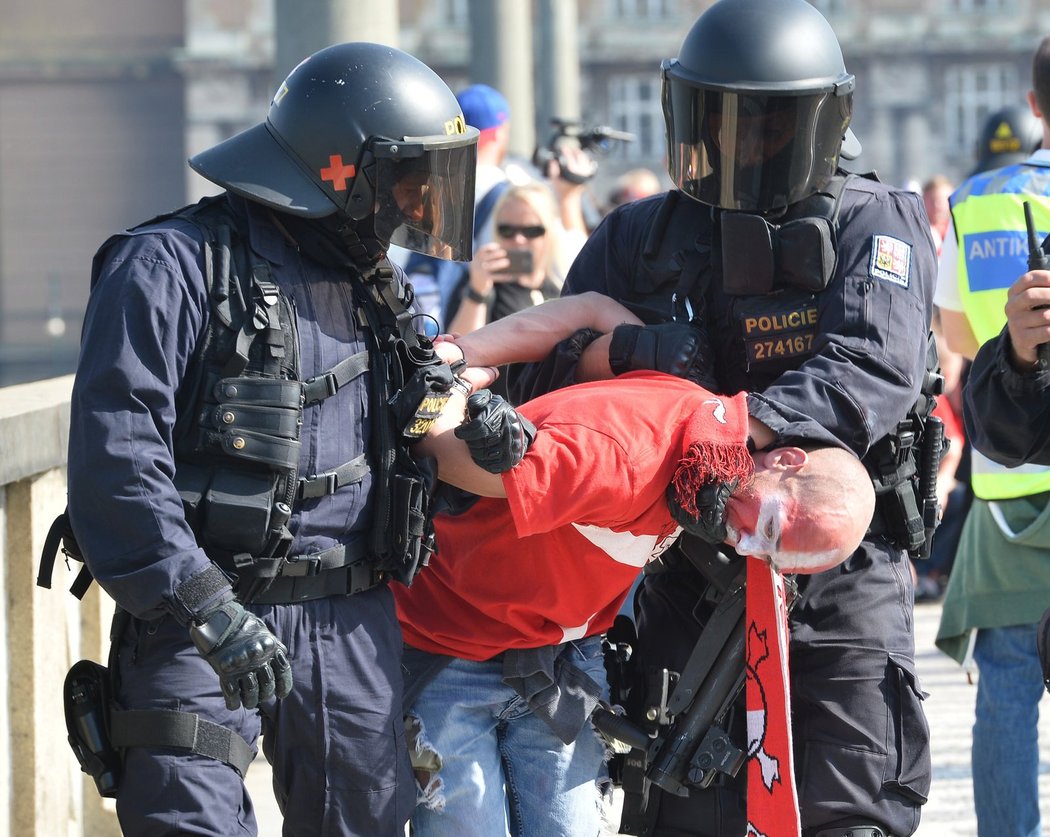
(520, 262)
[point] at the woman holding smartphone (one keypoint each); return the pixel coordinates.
(517, 269)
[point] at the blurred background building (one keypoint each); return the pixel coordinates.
(101, 103)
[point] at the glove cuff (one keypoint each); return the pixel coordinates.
(199, 593)
(622, 346)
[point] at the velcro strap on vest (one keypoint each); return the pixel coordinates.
(328, 383)
(318, 485)
(181, 730)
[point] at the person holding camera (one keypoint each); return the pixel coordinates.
(515, 271)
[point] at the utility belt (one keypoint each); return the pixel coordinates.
(342, 570)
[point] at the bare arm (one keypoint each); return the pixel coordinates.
(526, 335)
(530, 334)
(455, 465)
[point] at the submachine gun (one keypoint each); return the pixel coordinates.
(686, 745)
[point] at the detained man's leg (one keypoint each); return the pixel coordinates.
(553, 788)
(336, 743)
(1005, 732)
(162, 792)
(459, 712)
(861, 738)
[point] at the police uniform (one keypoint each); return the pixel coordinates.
(835, 366)
(249, 383)
(336, 742)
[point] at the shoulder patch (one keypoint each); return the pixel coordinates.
(890, 259)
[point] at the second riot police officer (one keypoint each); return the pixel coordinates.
(816, 290)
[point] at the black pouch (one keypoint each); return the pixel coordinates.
(1042, 643)
(237, 512)
(86, 696)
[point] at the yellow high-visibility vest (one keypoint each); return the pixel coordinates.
(988, 214)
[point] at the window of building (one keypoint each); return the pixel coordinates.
(980, 6)
(650, 10)
(634, 106)
(453, 13)
(971, 92)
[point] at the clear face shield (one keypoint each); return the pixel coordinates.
(424, 193)
(751, 151)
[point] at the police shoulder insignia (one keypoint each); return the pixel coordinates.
(890, 259)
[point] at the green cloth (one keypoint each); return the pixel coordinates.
(997, 580)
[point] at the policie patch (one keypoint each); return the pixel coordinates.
(890, 259)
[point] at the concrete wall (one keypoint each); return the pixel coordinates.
(46, 631)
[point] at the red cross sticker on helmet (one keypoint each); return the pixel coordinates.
(337, 172)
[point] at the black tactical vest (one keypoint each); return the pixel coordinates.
(240, 411)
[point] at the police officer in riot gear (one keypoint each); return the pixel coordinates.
(816, 288)
(240, 479)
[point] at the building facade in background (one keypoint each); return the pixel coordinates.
(99, 113)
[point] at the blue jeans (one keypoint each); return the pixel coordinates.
(1005, 732)
(504, 772)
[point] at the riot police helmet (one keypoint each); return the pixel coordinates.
(757, 105)
(1009, 136)
(357, 131)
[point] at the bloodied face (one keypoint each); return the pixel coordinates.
(802, 513)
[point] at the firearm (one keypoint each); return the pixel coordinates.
(688, 746)
(595, 140)
(1037, 260)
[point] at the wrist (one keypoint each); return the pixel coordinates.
(475, 295)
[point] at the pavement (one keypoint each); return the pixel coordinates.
(949, 709)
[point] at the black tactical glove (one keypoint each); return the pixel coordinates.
(496, 434)
(251, 662)
(710, 522)
(680, 349)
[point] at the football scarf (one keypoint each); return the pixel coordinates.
(772, 803)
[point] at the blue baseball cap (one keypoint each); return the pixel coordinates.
(483, 107)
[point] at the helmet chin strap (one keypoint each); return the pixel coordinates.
(360, 240)
(335, 239)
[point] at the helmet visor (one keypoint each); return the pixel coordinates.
(425, 194)
(752, 151)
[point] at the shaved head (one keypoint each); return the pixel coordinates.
(804, 511)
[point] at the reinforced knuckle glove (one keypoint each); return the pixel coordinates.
(709, 521)
(251, 662)
(496, 434)
(680, 349)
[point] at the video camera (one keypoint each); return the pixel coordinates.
(595, 140)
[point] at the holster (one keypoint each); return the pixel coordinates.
(87, 697)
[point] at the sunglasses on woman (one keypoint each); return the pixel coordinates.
(511, 230)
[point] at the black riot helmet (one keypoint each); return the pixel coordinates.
(361, 130)
(1009, 136)
(757, 105)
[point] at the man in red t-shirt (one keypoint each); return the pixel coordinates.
(510, 611)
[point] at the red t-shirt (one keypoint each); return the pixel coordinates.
(585, 510)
